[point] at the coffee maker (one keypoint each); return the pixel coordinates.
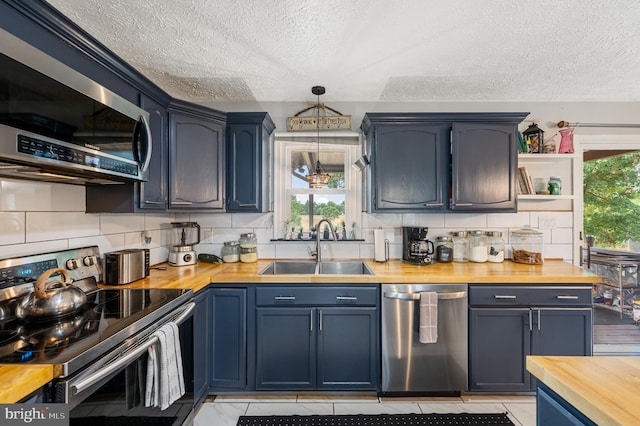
(185, 236)
(416, 248)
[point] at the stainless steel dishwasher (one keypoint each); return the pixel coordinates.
(414, 367)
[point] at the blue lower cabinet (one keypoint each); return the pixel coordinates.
(551, 409)
(317, 348)
(229, 339)
(201, 346)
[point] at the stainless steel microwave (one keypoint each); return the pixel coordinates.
(58, 125)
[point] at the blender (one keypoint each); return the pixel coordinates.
(185, 236)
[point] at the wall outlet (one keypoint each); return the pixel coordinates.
(546, 222)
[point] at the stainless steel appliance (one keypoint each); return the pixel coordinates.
(57, 125)
(416, 248)
(100, 349)
(126, 266)
(414, 367)
(185, 236)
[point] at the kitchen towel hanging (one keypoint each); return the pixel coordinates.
(428, 317)
(380, 246)
(165, 379)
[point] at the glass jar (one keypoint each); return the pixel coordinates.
(555, 185)
(460, 246)
(495, 245)
(230, 252)
(478, 251)
(527, 246)
(444, 249)
(248, 240)
(248, 254)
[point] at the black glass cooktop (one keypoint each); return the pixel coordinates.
(108, 318)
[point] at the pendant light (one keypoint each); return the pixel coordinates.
(318, 179)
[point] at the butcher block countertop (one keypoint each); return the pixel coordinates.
(606, 389)
(19, 381)
(200, 275)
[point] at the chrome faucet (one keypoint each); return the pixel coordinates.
(317, 227)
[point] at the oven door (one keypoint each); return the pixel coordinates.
(111, 389)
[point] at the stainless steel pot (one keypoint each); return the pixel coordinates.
(51, 299)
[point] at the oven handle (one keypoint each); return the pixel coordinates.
(82, 383)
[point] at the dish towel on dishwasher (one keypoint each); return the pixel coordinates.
(165, 380)
(428, 317)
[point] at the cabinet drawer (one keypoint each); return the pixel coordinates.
(298, 296)
(569, 295)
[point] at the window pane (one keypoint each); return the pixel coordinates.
(304, 162)
(325, 206)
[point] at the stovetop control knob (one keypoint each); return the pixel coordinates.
(89, 260)
(72, 264)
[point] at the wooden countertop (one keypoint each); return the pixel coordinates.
(19, 381)
(200, 275)
(27, 378)
(605, 389)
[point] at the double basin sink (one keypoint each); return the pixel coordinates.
(310, 267)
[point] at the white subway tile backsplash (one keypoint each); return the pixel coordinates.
(12, 228)
(106, 243)
(376, 220)
(251, 220)
(431, 220)
(508, 220)
(466, 221)
(15, 250)
(17, 195)
(43, 226)
(562, 236)
(118, 223)
(212, 220)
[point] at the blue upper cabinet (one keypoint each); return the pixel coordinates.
(435, 162)
(248, 152)
(196, 157)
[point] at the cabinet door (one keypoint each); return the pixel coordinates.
(348, 348)
(201, 346)
(285, 348)
(244, 167)
(562, 332)
(499, 341)
(410, 167)
(196, 162)
(484, 167)
(153, 193)
(229, 338)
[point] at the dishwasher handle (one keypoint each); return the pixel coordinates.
(450, 295)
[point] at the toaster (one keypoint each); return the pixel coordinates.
(125, 266)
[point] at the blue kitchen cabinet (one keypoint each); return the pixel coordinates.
(196, 157)
(484, 167)
(317, 338)
(228, 339)
(507, 323)
(552, 409)
(248, 158)
(201, 345)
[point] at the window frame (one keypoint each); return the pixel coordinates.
(349, 143)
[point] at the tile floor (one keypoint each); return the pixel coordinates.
(225, 410)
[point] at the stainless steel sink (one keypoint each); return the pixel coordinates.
(306, 267)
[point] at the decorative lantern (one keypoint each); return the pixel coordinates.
(534, 139)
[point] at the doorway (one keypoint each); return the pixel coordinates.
(615, 330)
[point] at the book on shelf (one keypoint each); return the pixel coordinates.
(525, 182)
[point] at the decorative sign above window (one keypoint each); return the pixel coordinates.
(299, 123)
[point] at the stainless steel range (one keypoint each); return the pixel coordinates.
(100, 347)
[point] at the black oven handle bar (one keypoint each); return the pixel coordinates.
(85, 381)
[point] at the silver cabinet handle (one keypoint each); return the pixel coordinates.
(247, 205)
(284, 298)
(434, 205)
(352, 298)
(416, 296)
(320, 325)
(462, 204)
(567, 297)
(530, 321)
(501, 296)
(181, 203)
(311, 322)
(538, 319)
(155, 202)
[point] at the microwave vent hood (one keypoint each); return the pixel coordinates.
(57, 125)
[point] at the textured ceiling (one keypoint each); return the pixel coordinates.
(375, 50)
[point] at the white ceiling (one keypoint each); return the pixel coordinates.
(375, 50)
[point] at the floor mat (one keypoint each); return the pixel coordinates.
(378, 420)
